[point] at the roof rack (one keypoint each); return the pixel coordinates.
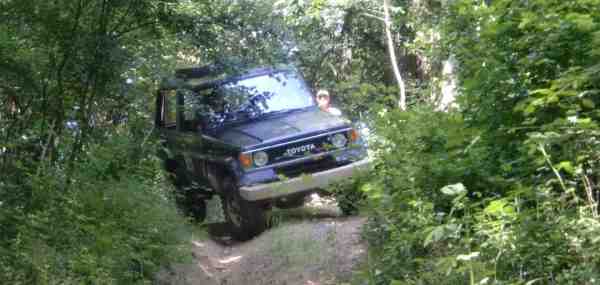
(198, 72)
(198, 78)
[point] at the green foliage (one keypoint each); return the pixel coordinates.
(524, 146)
(442, 211)
(420, 152)
(81, 196)
(502, 191)
(111, 222)
(530, 74)
(349, 195)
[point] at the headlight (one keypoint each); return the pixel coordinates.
(339, 140)
(260, 158)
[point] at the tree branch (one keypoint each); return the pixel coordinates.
(392, 52)
(121, 20)
(134, 28)
(373, 16)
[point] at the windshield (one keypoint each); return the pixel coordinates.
(255, 96)
(271, 92)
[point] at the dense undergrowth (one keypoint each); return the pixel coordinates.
(82, 195)
(111, 222)
(502, 190)
(443, 210)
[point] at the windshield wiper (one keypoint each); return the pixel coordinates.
(290, 110)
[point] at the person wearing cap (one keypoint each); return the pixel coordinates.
(324, 102)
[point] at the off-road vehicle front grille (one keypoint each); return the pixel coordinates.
(294, 170)
(300, 149)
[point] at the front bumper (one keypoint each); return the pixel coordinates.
(302, 183)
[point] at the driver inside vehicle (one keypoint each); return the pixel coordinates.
(324, 102)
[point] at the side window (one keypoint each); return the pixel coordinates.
(190, 105)
(194, 111)
(189, 110)
(207, 102)
(170, 108)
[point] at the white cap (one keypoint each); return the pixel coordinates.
(322, 92)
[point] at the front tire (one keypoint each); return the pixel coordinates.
(245, 219)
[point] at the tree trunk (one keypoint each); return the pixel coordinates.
(449, 82)
(392, 52)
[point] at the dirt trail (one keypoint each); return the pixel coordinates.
(310, 245)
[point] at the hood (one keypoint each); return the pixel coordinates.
(284, 127)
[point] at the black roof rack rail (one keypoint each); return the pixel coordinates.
(198, 72)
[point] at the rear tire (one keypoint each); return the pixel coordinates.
(245, 219)
(194, 207)
(189, 201)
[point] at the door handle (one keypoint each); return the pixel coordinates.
(162, 140)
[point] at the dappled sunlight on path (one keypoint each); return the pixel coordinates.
(309, 245)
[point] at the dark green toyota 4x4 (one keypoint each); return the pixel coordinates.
(257, 139)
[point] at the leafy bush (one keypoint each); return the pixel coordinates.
(348, 194)
(112, 221)
(418, 153)
(524, 148)
(441, 211)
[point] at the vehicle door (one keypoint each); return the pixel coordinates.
(178, 128)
